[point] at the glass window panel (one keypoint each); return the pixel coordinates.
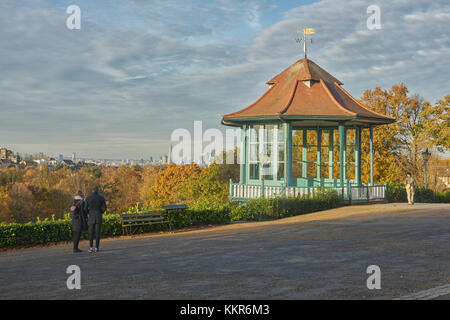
(336, 170)
(350, 136)
(280, 174)
(311, 137)
(351, 148)
(336, 154)
(254, 171)
(267, 173)
(350, 156)
(280, 134)
(280, 153)
(312, 154)
(254, 134)
(336, 138)
(324, 154)
(254, 154)
(350, 171)
(311, 170)
(297, 154)
(268, 133)
(325, 138)
(268, 149)
(324, 171)
(297, 169)
(297, 137)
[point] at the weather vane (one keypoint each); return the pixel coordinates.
(304, 39)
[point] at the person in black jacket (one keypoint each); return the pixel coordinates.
(78, 216)
(95, 206)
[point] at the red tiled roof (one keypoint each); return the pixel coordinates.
(290, 95)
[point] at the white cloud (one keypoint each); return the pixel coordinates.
(120, 88)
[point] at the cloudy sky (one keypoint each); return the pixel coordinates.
(137, 70)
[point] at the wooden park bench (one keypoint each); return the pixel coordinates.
(132, 220)
(175, 207)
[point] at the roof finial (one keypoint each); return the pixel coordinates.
(304, 39)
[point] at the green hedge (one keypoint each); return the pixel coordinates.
(275, 208)
(52, 231)
(396, 192)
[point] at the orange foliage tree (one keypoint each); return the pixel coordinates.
(398, 147)
(166, 184)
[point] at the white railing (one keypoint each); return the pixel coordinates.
(348, 193)
(367, 193)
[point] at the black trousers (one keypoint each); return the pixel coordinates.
(97, 229)
(76, 239)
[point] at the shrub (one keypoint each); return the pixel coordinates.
(52, 231)
(444, 196)
(48, 231)
(274, 208)
(396, 192)
(189, 217)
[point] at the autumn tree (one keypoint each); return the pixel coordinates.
(5, 214)
(436, 123)
(21, 203)
(120, 187)
(167, 182)
(208, 189)
(398, 147)
(148, 178)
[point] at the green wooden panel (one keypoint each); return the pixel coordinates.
(341, 153)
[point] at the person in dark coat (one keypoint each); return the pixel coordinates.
(78, 216)
(95, 206)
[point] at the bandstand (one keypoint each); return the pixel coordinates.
(304, 133)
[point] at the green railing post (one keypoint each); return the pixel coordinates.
(231, 190)
(243, 155)
(349, 191)
(341, 155)
(262, 188)
(371, 155)
(358, 156)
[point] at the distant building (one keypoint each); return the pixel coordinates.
(68, 163)
(445, 181)
(52, 162)
(8, 157)
(39, 162)
(74, 157)
(170, 155)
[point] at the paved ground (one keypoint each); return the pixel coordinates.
(315, 256)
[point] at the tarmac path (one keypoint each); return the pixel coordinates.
(322, 255)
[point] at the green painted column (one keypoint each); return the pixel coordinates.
(287, 154)
(358, 156)
(341, 153)
(330, 154)
(243, 165)
(304, 154)
(319, 143)
(371, 156)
